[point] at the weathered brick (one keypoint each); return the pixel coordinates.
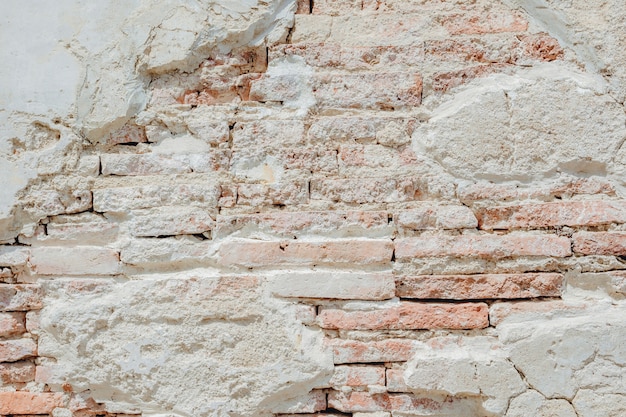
(600, 243)
(146, 252)
(285, 193)
(163, 164)
(21, 297)
(334, 285)
(79, 260)
(15, 350)
(409, 316)
(342, 129)
(520, 311)
(355, 351)
(22, 402)
(436, 217)
(357, 376)
(476, 23)
(11, 373)
(541, 46)
(308, 403)
(463, 287)
(395, 381)
(483, 246)
(335, 7)
(289, 224)
(83, 228)
(129, 133)
(564, 213)
(13, 256)
(444, 81)
(432, 404)
(12, 324)
(127, 198)
(265, 164)
(303, 6)
(51, 202)
(168, 221)
(261, 133)
(257, 253)
(366, 190)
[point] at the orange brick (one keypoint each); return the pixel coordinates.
(21, 402)
(15, 350)
(565, 213)
(409, 316)
(461, 287)
(256, 253)
(354, 351)
(600, 243)
(483, 246)
(12, 324)
(21, 297)
(357, 376)
(16, 372)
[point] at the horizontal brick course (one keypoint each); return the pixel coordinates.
(22, 402)
(18, 349)
(16, 372)
(334, 285)
(20, 297)
(409, 316)
(370, 190)
(127, 198)
(436, 217)
(79, 260)
(357, 376)
(164, 164)
(600, 243)
(355, 351)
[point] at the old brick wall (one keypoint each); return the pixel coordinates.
(367, 208)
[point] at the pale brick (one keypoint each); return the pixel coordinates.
(342, 129)
(163, 164)
(334, 285)
(476, 23)
(51, 202)
(267, 164)
(600, 243)
(444, 81)
(432, 404)
(565, 213)
(520, 311)
(335, 7)
(146, 252)
(127, 134)
(16, 372)
(168, 221)
(15, 350)
(308, 403)
(79, 260)
(12, 324)
(461, 287)
(22, 402)
(311, 28)
(409, 316)
(287, 193)
(127, 198)
(354, 351)
(305, 313)
(290, 224)
(366, 190)
(303, 6)
(357, 376)
(262, 133)
(436, 217)
(483, 246)
(395, 381)
(21, 297)
(258, 253)
(13, 256)
(83, 228)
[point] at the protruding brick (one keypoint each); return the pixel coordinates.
(11, 373)
(20, 297)
(12, 324)
(354, 351)
(409, 316)
(357, 376)
(370, 190)
(436, 217)
(463, 287)
(483, 246)
(564, 213)
(22, 402)
(15, 350)
(334, 285)
(258, 253)
(600, 243)
(79, 260)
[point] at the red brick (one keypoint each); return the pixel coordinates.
(436, 217)
(409, 316)
(463, 287)
(433, 404)
(308, 403)
(289, 224)
(354, 351)
(287, 193)
(475, 23)
(600, 243)
(542, 46)
(22, 297)
(12, 324)
(16, 372)
(15, 350)
(483, 246)
(565, 213)
(357, 376)
(258, 253)
(163, 164)
(366, 190)
(21, 402)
